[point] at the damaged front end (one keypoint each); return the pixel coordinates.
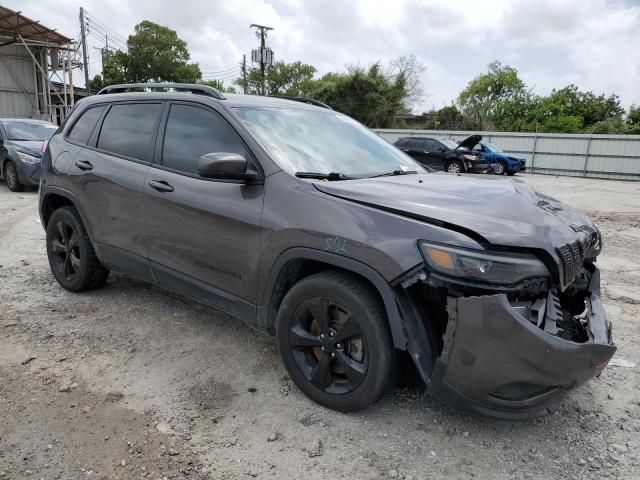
(506, 350)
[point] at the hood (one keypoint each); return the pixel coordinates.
(491, 210)
(31, 147)
(470, 142)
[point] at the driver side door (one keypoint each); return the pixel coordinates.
(203, 234)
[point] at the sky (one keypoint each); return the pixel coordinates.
(594, 44)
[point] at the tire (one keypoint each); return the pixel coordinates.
(71, 256)
(500, 167)
(454, 166)
(346, 360)
(11, 177)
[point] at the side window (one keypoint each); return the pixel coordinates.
(130, 130)
(432, 146)
(414, 143)
(82, 129)
(192, 132)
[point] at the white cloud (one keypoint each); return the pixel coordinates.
(551, 42)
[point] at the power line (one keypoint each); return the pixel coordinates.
(105, 27)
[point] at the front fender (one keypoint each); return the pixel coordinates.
(345, 263)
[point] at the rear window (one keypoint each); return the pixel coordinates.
(83, 128)
(130, 130)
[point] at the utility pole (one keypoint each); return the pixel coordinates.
(263, 55)
(84, 52)
(244, 73)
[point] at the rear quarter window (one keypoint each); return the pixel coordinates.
(83, 128)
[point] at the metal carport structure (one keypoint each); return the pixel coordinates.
(31, 56)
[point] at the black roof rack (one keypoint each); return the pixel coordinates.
(310, 101)
(191, 87)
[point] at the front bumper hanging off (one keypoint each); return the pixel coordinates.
(496, 362)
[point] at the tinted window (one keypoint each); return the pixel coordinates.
(81, 131)
(192, 132)
(432, 145)
(130, 130)
(415, 143)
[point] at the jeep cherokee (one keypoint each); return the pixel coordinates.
(306, 225)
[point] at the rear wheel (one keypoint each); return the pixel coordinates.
(11, 176)
(335, 341)
(71, 255)
(454, 166)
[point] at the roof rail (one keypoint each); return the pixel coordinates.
(191, 87)
(310, 101)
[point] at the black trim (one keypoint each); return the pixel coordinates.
(203, 292)
(194, 88)
(387, 295)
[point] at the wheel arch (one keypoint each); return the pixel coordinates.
(297, 263)
(53, 198)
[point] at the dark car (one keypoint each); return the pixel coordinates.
(307, 225)
(21, 141)
(502, 162)
(443, 154)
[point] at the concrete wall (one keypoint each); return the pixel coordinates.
(598, 156)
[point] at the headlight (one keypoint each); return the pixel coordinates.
(469, 157)
(26, 158)
(489, 267)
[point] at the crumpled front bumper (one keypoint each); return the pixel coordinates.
(497, 363)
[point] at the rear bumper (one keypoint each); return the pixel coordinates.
(497, 363)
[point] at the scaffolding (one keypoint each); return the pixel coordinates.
(36, 69)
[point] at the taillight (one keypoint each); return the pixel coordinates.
(44, 146)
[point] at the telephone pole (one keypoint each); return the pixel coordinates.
(263, 55)
(244, 74)
(84, 52)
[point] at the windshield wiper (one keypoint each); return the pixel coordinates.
(394, 173)
(332, 176)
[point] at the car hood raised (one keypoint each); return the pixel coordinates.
(470, 142)
(492, 210)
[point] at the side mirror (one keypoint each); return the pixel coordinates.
(225, 165)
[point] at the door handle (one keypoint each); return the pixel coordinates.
(160, 185)
(84, 165)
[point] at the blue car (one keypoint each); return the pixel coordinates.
(21, 142)
(502, 162)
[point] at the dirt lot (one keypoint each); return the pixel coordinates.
(129, 382)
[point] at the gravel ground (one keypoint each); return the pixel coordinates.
(128, 381)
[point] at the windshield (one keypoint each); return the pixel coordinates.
(323, 142)
(491, 147)
(450, 144)
(29, 131)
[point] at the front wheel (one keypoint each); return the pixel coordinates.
(11, 176)
(335, 342)
(499, 167)
(455, 166)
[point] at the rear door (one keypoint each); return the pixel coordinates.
(413, 147)
(109, 172)
(203, 234)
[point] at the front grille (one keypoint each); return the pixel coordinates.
(572, 256)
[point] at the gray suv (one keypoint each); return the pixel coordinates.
(306, 225)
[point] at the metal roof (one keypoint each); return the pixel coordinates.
(14, 23)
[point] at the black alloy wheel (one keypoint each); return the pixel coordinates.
(64, 245)
(329, 346)
(71, 256)
(334, 340)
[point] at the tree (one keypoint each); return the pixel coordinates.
(218, 85)
(281, 78)
(154, 54)
(496, 96)
(633, 117)
(376, 96)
